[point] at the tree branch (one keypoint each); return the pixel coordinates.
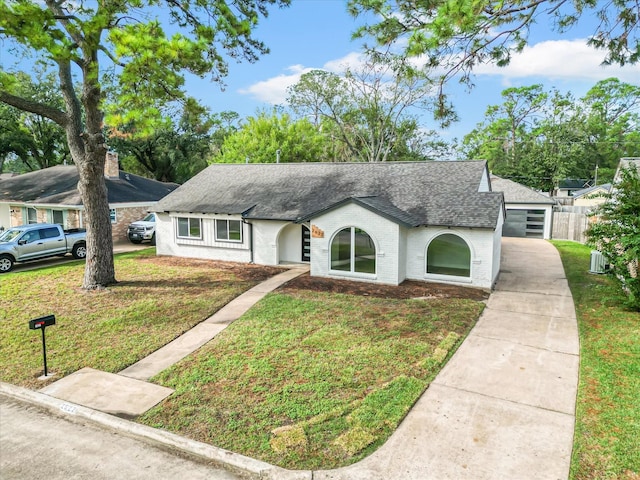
(38, 108)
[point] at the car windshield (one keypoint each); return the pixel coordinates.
(10, 234)
(150, 218)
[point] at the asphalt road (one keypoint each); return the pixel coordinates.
(37, 445)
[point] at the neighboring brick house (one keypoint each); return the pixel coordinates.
(375, 222)
(51, 195)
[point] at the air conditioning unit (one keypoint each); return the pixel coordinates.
(598, 262)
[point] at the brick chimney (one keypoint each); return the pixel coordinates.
(111, 169)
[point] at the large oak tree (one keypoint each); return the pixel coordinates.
(146, 64)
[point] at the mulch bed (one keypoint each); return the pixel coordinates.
(407, 289)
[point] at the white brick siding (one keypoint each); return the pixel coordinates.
(384, 233)
(265, 241)
(480, 241)
(400, 252)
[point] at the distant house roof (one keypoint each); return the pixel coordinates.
(409, 193)
(58, 186)
(574, 183)
(517, 193)
(591, 190)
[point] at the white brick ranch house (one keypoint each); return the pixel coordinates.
(375, 222)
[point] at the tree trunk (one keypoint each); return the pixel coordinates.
(88, 151)
(99, 270)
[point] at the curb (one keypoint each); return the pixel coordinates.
(231, 461)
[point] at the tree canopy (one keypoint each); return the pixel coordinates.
(28, 141)
(147, 58)
(456, 36)
(539, 137)
(271, 137)
(366, 110)
(177, 150)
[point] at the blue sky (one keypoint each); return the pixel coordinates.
(313, 34)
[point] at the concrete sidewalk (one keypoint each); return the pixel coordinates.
(503, 407)
(128, 394)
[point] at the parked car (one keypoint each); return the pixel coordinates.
(39, 240)
(143, 230)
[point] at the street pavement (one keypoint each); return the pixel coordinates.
(37, 445)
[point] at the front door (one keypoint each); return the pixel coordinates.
(306, 244)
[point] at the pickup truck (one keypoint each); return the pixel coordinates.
(143, 230)
(39, 240)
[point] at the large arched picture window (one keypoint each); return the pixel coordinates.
(449, 254)
(353, 250)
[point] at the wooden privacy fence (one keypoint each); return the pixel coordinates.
(570, 223)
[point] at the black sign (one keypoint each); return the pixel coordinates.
(42, 322)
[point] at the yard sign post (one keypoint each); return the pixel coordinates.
(41, 324)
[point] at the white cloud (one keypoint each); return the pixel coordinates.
(550, 60)
(353, 61)
(561, 60)
(274, 90)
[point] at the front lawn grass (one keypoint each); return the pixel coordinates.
(310, 380)
(607, 436)
(155, 301)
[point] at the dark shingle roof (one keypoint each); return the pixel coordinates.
(516, 193)
(58, 186)
(411, 193)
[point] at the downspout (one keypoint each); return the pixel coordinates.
(250, 239)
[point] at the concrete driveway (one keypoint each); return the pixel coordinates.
(503, 407)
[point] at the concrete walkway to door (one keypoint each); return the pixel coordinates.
(503, 407)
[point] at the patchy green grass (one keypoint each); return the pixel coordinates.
(312, 379)
(156, 300)
(607, 438)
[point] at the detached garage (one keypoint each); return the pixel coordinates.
(529, 213)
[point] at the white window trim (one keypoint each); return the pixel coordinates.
(52, 220)
(115, 215)
(443, 277)
(26, 215)
(351, 272)
(228, 240)
(189, 237)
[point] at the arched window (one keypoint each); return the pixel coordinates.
(353, 250)
(449, 254)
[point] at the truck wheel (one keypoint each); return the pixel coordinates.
(153, 239)
(6, 263)
(79, 250)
